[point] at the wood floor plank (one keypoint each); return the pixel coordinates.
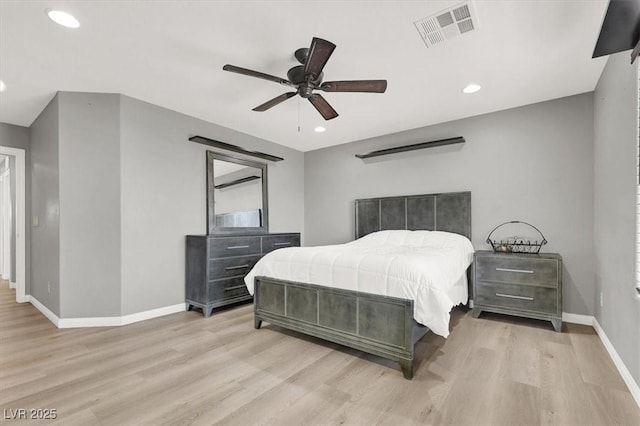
(183, 369)
(596, 367)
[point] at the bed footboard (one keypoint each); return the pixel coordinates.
(375, 324)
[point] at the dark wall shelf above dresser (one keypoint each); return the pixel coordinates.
(235, 148)
(412, 147)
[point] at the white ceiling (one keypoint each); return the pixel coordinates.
(171, 53)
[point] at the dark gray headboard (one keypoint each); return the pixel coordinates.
(450, 211)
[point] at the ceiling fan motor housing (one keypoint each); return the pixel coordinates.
(296, 75)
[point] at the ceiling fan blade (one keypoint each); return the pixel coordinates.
(323, 106)
(275, 101)
(257, 74)
(319, 54)
(370, 86)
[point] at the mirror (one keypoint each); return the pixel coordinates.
(236, 195)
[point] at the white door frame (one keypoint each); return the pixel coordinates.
(5, 217)
(21, 217)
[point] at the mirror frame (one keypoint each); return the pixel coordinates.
(211, 214)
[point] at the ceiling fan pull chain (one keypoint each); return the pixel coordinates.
(298, 114)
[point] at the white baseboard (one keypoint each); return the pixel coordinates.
(624, 371)
(105, 321)
(123, 320)
(43, 309)
(12, 284)
(578, 319)
(153, 313)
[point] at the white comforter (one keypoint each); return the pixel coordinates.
(428, 267)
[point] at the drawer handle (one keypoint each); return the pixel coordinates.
(511, 296)
(229, 268)
(236, 247)
(282, 244)
(519, 271)
(235, 287)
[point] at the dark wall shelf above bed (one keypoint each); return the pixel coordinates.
(413, 147)
(234, 148)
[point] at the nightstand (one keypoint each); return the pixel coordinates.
(526, 285)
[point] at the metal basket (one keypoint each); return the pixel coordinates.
(516, 244)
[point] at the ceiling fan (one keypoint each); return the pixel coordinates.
(307, 77)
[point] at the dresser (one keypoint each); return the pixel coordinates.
(526, 285)
(216, 266)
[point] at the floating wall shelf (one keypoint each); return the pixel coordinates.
(234, 148)
(236, 182)
(413, 147)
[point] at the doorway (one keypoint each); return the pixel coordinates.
(20, 220)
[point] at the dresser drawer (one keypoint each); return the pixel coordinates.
(274, 242)
(233, 246)
(522, 297)
(231, 267)
(231, 288)
(517, 270)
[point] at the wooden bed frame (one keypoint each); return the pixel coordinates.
(379, 325)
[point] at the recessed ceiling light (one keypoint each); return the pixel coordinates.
(3, 86)
(63, 18)
(471, 88)
(319, 129)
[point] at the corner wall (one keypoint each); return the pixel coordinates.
(89, 161)
(533, 163)
(616, 127)
(45, 209)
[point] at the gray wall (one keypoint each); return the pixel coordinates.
(18, 137)
(616, 126)
(163, 184)
(533, 163)
(45, 205)
(89, 161)
(116, 186)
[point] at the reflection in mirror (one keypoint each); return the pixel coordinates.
(237, 194)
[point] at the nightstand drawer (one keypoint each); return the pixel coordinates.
(522, 297)
(231, 267)
(233, 246)
(517, 270)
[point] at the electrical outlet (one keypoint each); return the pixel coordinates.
(49, 286)
(601, 300)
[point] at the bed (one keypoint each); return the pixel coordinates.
(375, 321)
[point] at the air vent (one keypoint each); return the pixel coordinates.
(447, 24)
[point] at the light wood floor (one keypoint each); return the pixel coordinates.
(183, 369)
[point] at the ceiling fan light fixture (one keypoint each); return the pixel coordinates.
(63, 18)
(471, 88)
(319, 129)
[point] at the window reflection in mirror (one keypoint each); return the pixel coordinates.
(237, 194)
